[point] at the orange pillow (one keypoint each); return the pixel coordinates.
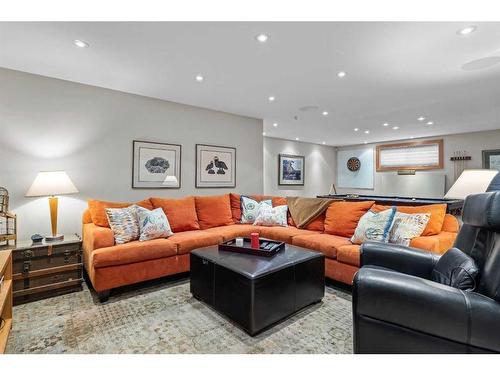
(214, 211)
(342, 217)
(317, 224)
(181, 213)
(437, 211)
(98, 209)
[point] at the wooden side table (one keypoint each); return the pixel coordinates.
(47, 269)
(5, 298)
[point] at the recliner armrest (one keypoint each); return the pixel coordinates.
(398, 258)
(426, 306)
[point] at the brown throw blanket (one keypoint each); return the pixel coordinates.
(305, 210)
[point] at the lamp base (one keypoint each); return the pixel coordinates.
(57, 237)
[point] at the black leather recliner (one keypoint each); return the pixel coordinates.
(397, 308)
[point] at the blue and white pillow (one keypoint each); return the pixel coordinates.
(152, 224)
(374, 226)
(250, 209)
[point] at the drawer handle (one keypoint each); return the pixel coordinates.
(28, 253)
(26, 266)
(204, 262)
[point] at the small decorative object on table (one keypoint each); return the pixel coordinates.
(36, 238)
(239, 241)
(8, 221)
(266, 248)
(255, 240)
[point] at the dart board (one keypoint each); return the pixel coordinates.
(353, 164)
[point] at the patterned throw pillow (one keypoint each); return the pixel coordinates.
(152, 224)
(374, 226)
(250, 209)
(407, 226)
(123, 222)
(272, 216)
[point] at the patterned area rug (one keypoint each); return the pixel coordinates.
(165, 318)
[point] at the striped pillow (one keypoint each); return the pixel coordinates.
(123, 222)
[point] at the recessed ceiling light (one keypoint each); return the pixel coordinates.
(199, 78)
(323, 143)
(356, 129)
(421, 118)
(385, 124)
(341, 74)
(365, 142)
(367, 132)
(430, 123)
(262, 38)
(80, 43)
(263, 133)
(395, 127)
(271, 98)
(412, 137)
(325, 113)
(275, 124)
(297, 138)
(467, 30)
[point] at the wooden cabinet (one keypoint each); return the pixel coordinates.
(5, 298)
(47, 269)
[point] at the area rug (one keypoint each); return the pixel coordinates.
(165, 318)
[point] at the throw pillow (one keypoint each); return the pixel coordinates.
(272, 216)
(181, 213)
(342, 217)
(152, 224)
(456, 269)
(214, 211)
(374, 226)
(250, 209)
(123, 222)
(407, 226)
(98, 214)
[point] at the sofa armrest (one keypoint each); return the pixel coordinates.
(399, 258)
(438, 243)
(426, 306)
(96, 237)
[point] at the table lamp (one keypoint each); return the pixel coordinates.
(171, 181)
(471, 181)
(51, 184)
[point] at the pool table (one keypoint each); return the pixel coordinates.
(454, 206)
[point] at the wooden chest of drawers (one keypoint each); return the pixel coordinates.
(47, 269)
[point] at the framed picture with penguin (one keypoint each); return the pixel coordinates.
(215, 166)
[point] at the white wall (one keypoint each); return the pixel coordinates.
(472, 143)
(319, 172)
(50, 124)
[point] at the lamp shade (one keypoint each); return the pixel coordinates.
(171, 181)
(471, 181)
(51, 183)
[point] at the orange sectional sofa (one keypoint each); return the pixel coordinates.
(203, 221)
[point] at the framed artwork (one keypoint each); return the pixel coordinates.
(355, 168)
(291, 170)
(156, 165)
(491, 159)
(215, 166)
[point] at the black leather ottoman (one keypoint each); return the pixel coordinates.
(256, 292)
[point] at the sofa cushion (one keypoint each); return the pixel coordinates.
(181, 213)
(213, 211)
(342, 217)
(98, 209)
(317, 224)
(194, 239)
(229, 232)
(437, 211)
(133, 252)
(284, 234)
(349, 254)
(326, 243)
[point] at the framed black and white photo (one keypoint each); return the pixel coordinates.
(215, 166)
(156, 165)
(291, 170)
(491, 159)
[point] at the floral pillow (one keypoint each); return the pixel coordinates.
(272, 216)
(407, 226)
(152, 224)
(123, 223)
(374, 226)
(250, 209)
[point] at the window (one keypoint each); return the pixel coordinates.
(410, 155)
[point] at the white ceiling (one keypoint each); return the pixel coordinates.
(397, 71)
